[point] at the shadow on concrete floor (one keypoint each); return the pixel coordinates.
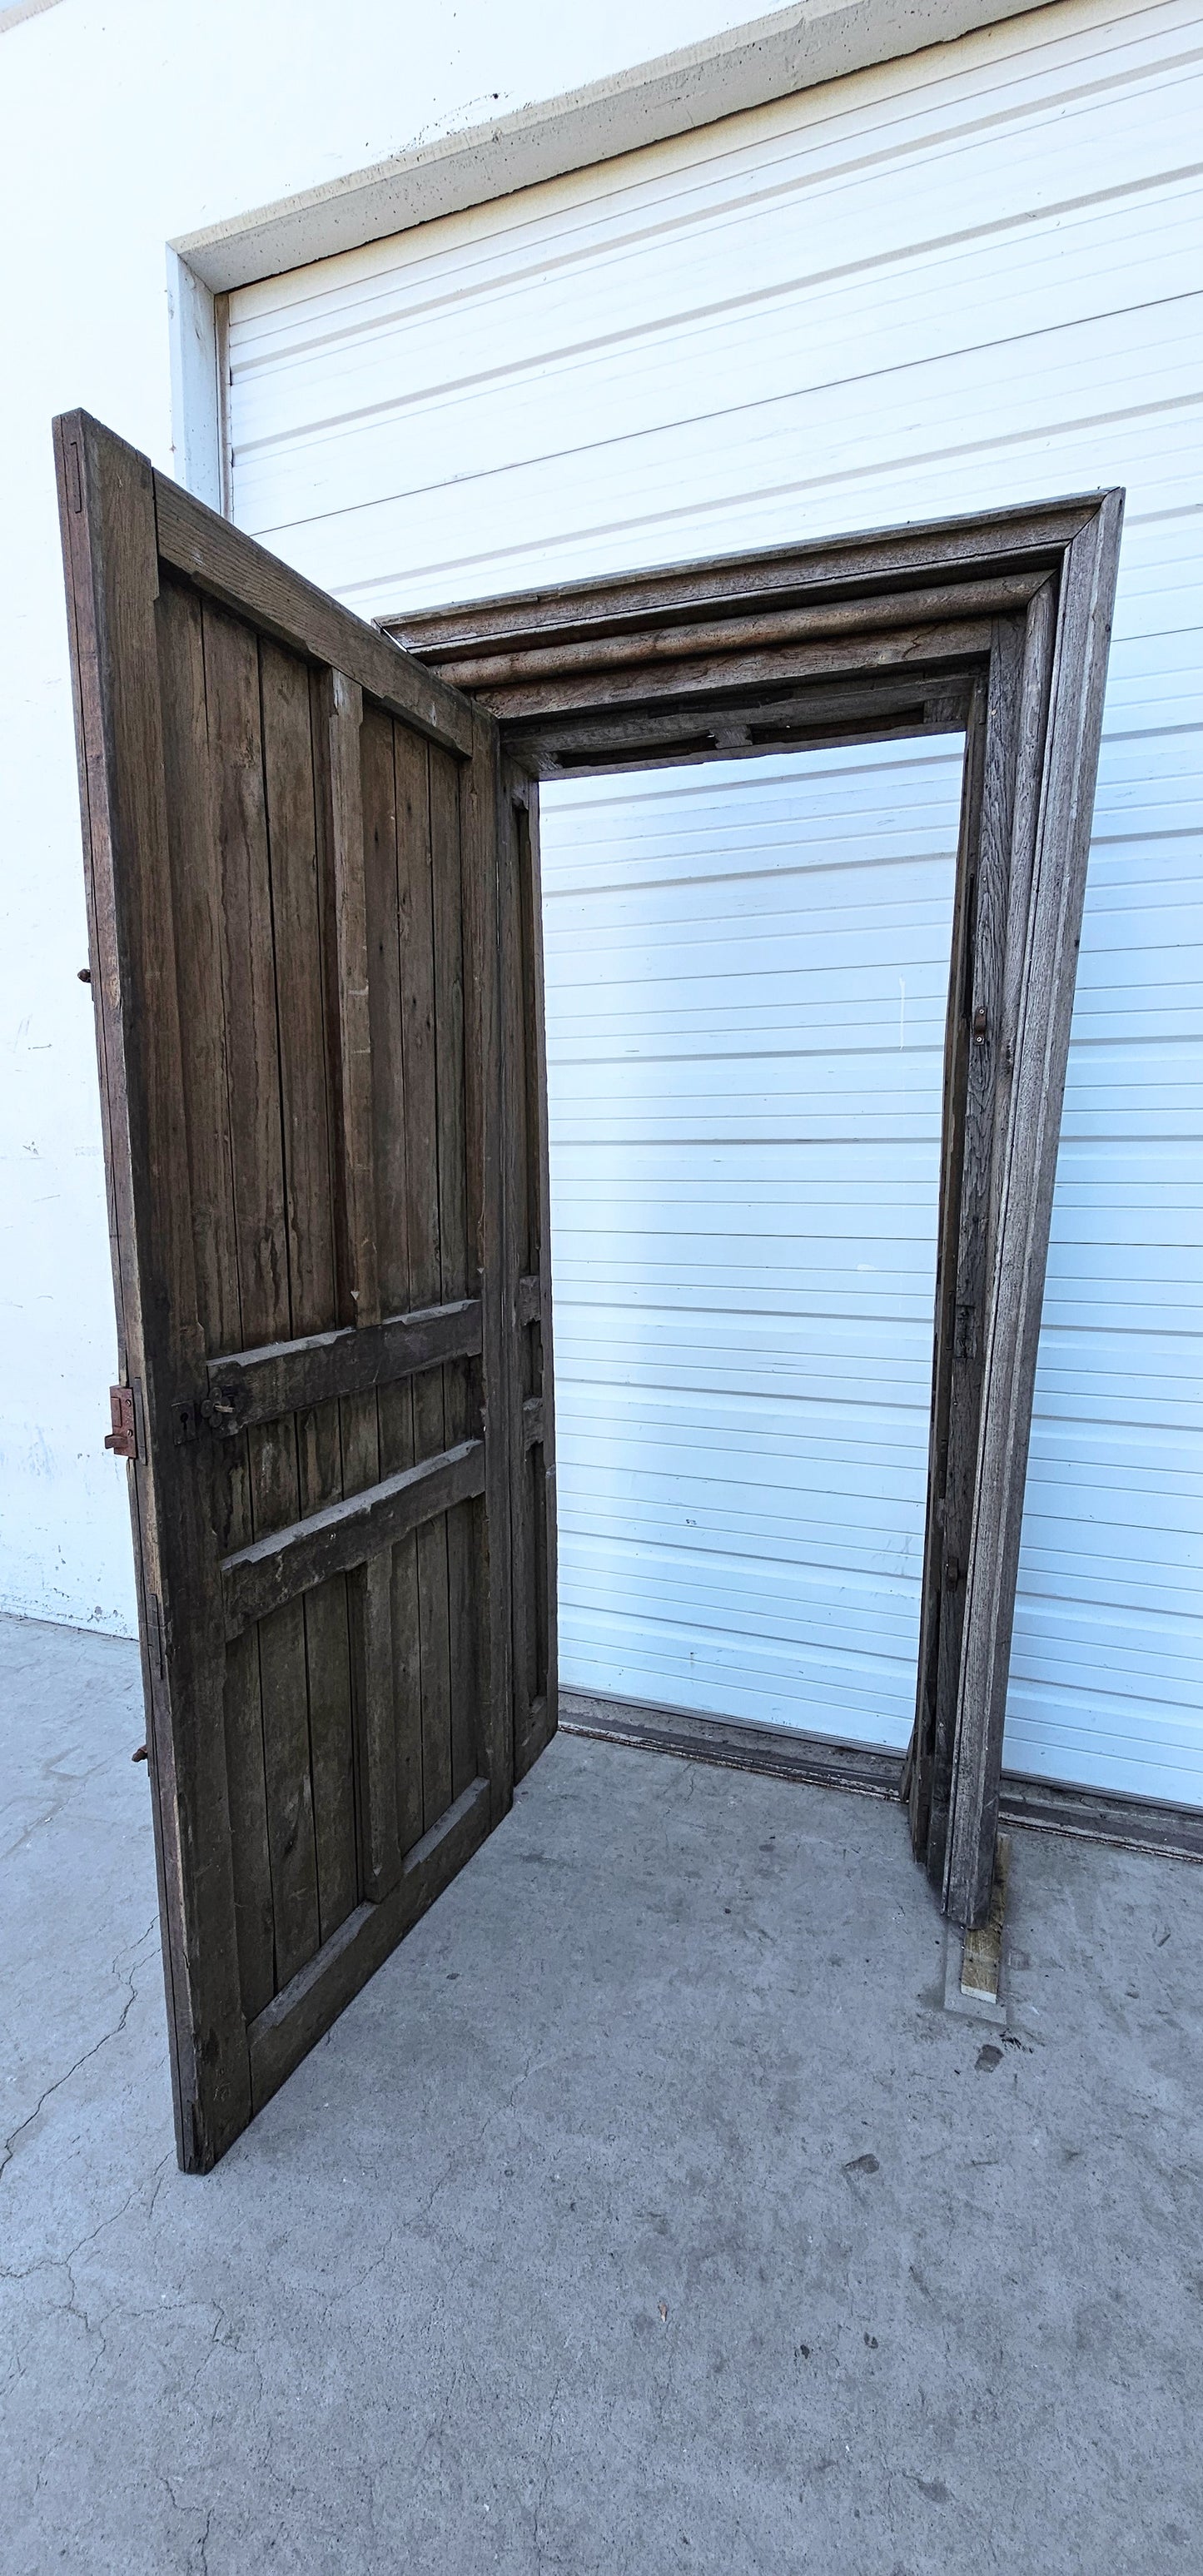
(646, 2214)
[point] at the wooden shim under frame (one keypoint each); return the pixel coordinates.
(1013, 610)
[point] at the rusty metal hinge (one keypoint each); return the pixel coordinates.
(123, 1438)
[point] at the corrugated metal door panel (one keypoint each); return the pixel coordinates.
(946, 283)
(745, 1122)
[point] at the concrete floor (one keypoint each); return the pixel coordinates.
(648, 2213)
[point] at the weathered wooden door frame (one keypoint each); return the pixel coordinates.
(135, 546)
(998, 624)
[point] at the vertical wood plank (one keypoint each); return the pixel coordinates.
(309, 1182)
(482, 819)
(395, 1402)
(344, 721)
(379, 1843)
(261, 1222)
(460, 1415)
(196, 889)
(416, 931)
(379, 1854)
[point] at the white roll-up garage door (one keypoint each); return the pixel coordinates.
(745, 1101)
(962, 280)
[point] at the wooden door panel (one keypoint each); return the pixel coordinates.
(293, 872)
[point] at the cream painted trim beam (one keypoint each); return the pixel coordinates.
(765, 59)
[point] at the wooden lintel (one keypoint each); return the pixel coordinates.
(645, 648)
(881, 709)
(951, 644)
(989, 546)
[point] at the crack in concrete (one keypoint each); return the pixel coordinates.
(10, 2145)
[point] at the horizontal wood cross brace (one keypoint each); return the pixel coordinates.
(261, 1578)
(284, 1377)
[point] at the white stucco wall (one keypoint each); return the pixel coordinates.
(122, 127)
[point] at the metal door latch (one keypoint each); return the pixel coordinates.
(123, 1438)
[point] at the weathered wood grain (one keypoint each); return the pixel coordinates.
(422, 1116)
(200, 979)
(253, 976)
(919, 1774)
(740, 675)
(380, 1842)
(1025, 1170)
(528, 1298)
(978, 1058)
(310, 1166)
(389, 1111)
(259, 1580)
(543, 1716)
(521, 1252)
(279, 602)
(732, 1744)
(989, 545)
(234, 708)
(106, 498)
(645, 647)
(528, 1271)
(447, 926)
(296, 2019)
(866, 706)
(259, 1385)
(343, 706)
(482, 818)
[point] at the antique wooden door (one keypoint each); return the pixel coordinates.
(313, 903)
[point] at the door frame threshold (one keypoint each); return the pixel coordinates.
(874, 1771)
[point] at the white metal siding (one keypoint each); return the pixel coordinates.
(745, 1130)
(969, 278)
